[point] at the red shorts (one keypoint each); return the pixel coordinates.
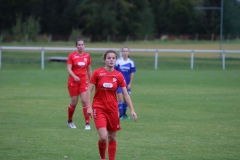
(108, 120)
(75, 89)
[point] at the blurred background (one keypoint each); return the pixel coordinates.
(118, 20)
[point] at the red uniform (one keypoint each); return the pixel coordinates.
(105, 104)
(79, 67)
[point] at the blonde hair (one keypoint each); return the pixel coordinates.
(126, 47)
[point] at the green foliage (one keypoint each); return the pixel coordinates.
(29, 28)
(17, 30)
(32, 27)
(231, 9)
(132, 18)
(76, 34)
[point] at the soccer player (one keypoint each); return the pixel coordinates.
(104, 108)
(80, 71)
(127, 67)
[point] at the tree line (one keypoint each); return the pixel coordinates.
(117, 17)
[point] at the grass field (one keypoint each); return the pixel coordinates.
(215, 45)
(12, 59)
(183, 114)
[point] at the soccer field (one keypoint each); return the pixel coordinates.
(183, 114)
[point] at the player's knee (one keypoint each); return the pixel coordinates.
(73, 105)
(84, 103)
(111, 138)
(103, 139)
(74, 102)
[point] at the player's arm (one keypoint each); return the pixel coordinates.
(131, 79)
(129, 102)
(89, 71)
(89, 97)
(69, 69)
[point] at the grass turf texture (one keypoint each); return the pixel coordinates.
(32, 60)
(183, 114)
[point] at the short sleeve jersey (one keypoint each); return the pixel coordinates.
(79, 64)
(106, 84)
(126, 68)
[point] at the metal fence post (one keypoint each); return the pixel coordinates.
(223, 60)
(192, 59)
(42, 59)
(156, 60)
(0, 57)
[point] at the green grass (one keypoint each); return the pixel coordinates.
(183, 114)
(32, 60)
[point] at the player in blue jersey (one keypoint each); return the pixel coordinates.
(127, 67)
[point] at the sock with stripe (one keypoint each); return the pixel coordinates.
(120, 108)
(86, 116)
(124, 108)
(71, 111)
(102, 149)
(112, 147)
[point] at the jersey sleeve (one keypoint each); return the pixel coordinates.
(93, 78)
(121, 81)
(133, 68)
(69, 60)
(89, 60)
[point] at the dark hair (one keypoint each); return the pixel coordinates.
(78, 41)
(109, 51)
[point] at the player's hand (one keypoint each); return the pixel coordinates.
(90, 111)
(128, 87)
(76, 78)
(134, 116)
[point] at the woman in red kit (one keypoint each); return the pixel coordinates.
(80, 71)
(104, 108)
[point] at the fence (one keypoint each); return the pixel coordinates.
(156, 51)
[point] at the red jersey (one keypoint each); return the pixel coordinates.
(106, 84)
(79, 65)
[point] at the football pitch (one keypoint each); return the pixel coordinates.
(183, 114)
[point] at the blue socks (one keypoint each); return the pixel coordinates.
(120, 108)
(125, 108)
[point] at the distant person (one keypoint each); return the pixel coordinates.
(127, 67)
(80, 71)
(104, 108)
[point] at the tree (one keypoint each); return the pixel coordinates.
(118, 17)
(173, 16)
(231, 18)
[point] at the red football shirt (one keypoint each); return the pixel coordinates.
(106, 84)
(79, 65)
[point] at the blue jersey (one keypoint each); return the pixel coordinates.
(126, 68)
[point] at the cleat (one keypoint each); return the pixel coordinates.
(121, 117)
(71, 125)
(87, 127)
(126, 117)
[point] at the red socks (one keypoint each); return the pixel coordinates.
(112, 147)
(102, 149)
(71, 111)
(86, 116)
